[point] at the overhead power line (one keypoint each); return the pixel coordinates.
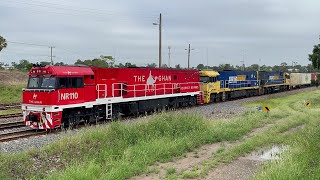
(29, 44)
(68, 9)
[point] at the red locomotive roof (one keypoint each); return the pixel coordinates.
(61, 71)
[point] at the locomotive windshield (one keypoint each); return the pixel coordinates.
(41, 83)
(206, 79)
(48, 83)
(55, 83)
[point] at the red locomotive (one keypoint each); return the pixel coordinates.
(62, 96)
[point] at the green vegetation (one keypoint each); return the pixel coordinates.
(11, 94)
(119, 151)
(293, 124)
(314, 57)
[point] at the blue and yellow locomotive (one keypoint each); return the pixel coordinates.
(228, 84)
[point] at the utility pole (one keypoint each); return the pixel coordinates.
(243, 62)
(160, 37)
(207, 59)
(169, 56)
(189, 57)
(242, 65)
(51, 47)
(189, 49)
(160, 29)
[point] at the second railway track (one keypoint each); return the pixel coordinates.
(20, 134)
(10, 115)
(11, 125)
(10, 106)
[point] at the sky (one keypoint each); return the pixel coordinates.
(230, 31)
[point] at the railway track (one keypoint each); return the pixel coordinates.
(10, 106)
(10, 115)
(20, 134)
(11, 125)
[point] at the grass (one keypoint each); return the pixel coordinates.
(120, 151)
(11, 93)
(288, 113)
(301, 162)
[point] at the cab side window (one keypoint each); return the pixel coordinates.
(213, 79)
(62, 83)
(74, 82)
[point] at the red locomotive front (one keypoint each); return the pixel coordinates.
(50, 89)
(67, 95)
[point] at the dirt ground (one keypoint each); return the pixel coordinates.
(13, 77)
(242, 168)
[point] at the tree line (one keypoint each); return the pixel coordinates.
(109, 61)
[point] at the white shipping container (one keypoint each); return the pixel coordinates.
(300, 79)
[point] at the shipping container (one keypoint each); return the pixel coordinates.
(300, 79)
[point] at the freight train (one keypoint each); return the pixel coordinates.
(64, 96)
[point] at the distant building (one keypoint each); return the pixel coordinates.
(293, 70)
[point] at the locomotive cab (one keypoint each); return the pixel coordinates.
(50, 88)
(209, 85)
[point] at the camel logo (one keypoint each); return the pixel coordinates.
(34, 96)
(150, 82)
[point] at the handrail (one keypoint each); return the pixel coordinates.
(148, 89)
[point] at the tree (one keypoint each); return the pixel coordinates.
(164, 66)
(315, 57)
(283, 64)
(3, 43)
(102, 61)
(24, 65)
(1, 64)
(226, 67)
(45, 63)
(152, 65)
(178, 66)
(120, 65)
(127, 64)
(200, 66)
(60, 64)
(253, 67)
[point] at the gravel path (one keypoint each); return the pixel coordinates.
(222, 110)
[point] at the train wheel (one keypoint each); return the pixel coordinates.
(223, 98)
(218, 98)
(212, 98)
